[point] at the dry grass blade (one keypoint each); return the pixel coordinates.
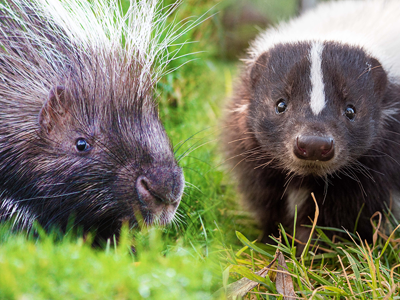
(376, 228)
(241, 287)
(345, 275)
(391, 292)
(284, 283)
(316, 215)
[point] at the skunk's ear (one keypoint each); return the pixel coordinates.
(379, 76)
(54, 110)
(258, 69)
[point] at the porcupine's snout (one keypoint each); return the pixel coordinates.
(311, 147)
(160, 187)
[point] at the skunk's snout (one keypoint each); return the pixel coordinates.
(311, 147)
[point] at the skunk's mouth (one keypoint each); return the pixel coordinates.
(311, 167)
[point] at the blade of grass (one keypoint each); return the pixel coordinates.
(249, 244)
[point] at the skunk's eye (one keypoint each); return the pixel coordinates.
(350, 112)
(281, 106)
(82, 145)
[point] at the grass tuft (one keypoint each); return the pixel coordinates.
(348, 268)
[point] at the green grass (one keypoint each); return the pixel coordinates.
(345, 269)
(71, 269)
(212, 245)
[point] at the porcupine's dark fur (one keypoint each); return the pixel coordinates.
(80, 135)
(317, 109)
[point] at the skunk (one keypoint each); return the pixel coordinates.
(317, 110)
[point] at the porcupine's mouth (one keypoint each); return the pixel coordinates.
(162, 214)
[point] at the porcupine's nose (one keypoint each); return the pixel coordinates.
(161, 186)
(311, 147)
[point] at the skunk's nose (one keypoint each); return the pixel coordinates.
(160, 185)
(311, 147)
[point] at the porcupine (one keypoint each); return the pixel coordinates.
(80, 135)
(317, 109)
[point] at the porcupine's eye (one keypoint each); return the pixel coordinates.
(281, 106)
(350, 112)
(82, 145)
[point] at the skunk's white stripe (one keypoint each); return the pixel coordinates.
(317, 96)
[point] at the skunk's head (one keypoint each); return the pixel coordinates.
(315, 106)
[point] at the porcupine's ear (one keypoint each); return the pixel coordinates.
(54, 109)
